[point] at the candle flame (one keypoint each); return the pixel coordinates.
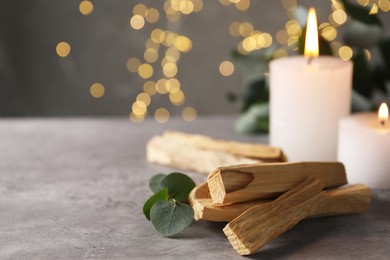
(311, 39)
(383, 113)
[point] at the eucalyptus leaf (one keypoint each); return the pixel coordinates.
(170, 218)
(362, 78)
(154, 182)
(253, 64)
(360, 103)
(179, 185)
(362, 35)
(161, 195)
(256, 91)
(254, 120)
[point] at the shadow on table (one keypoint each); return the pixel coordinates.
(303, 235)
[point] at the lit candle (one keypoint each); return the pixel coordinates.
(309, 94)
(364, 147)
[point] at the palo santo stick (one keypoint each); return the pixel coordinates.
(264, 153)
(260, 224)
(344, 200)
(175, 153)
(240, 183)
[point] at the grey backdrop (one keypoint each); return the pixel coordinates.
(34, 81)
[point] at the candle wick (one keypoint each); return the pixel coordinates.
(383, 122)
(310, 59)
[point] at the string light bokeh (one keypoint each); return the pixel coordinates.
(159, 65)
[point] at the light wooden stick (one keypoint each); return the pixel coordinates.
(240, 183)
(344, 200)
(203, 154)
(260, 224)
(249, 150)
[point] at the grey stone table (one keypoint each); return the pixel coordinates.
(74, 188)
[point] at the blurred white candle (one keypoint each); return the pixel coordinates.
(364, 148)
(309, 94)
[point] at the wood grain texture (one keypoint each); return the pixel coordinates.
(240, 183)
(202, 154)
(343, 200)
(260, 224)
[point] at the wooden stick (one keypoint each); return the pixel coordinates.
(260, 224)
(202, 154)
(240, 183)
(344, 200)
(175, 153)
(262, 152)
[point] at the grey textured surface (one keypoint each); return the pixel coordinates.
(74, 188)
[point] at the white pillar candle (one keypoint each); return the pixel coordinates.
(364, 148)
(308, 96)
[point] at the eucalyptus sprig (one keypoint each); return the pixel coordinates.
(168, 208)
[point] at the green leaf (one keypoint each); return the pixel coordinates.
(161, 195)
(360, 13)
(362, 35)
(256, 91)
(254, 120)
(362, 78)
(170, 218)
(154, 182)
(179, 185)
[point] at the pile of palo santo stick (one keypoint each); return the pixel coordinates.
(262, 201)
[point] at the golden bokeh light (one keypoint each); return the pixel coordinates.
(243, 5)
(329, 33)
(234, 29)
(97, 90)
(225, 2)
(157, 35)
(368, 54)
(189, 114)
(226, 68)
(170, 70)
(293, 28)
(267, 40)
(150, 55)
(152, 15)
(63, 49)
(249, 44)
(85, 7)
(280, 53)
(140, 9)
(177, 98)
(282, 37)
(152, 45)
(186, 6)
(182, 43)
(345, 53)
(384, 5)
(198, 5)
(162, 86)
(150, 87)
(161, 115)
(339, 16)
(174, 85)
(136, 119)
(137, 22)
(245, 29)
(145, 71)
(144, 97)
(133, 64)
(139, 109)
(172, 54)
